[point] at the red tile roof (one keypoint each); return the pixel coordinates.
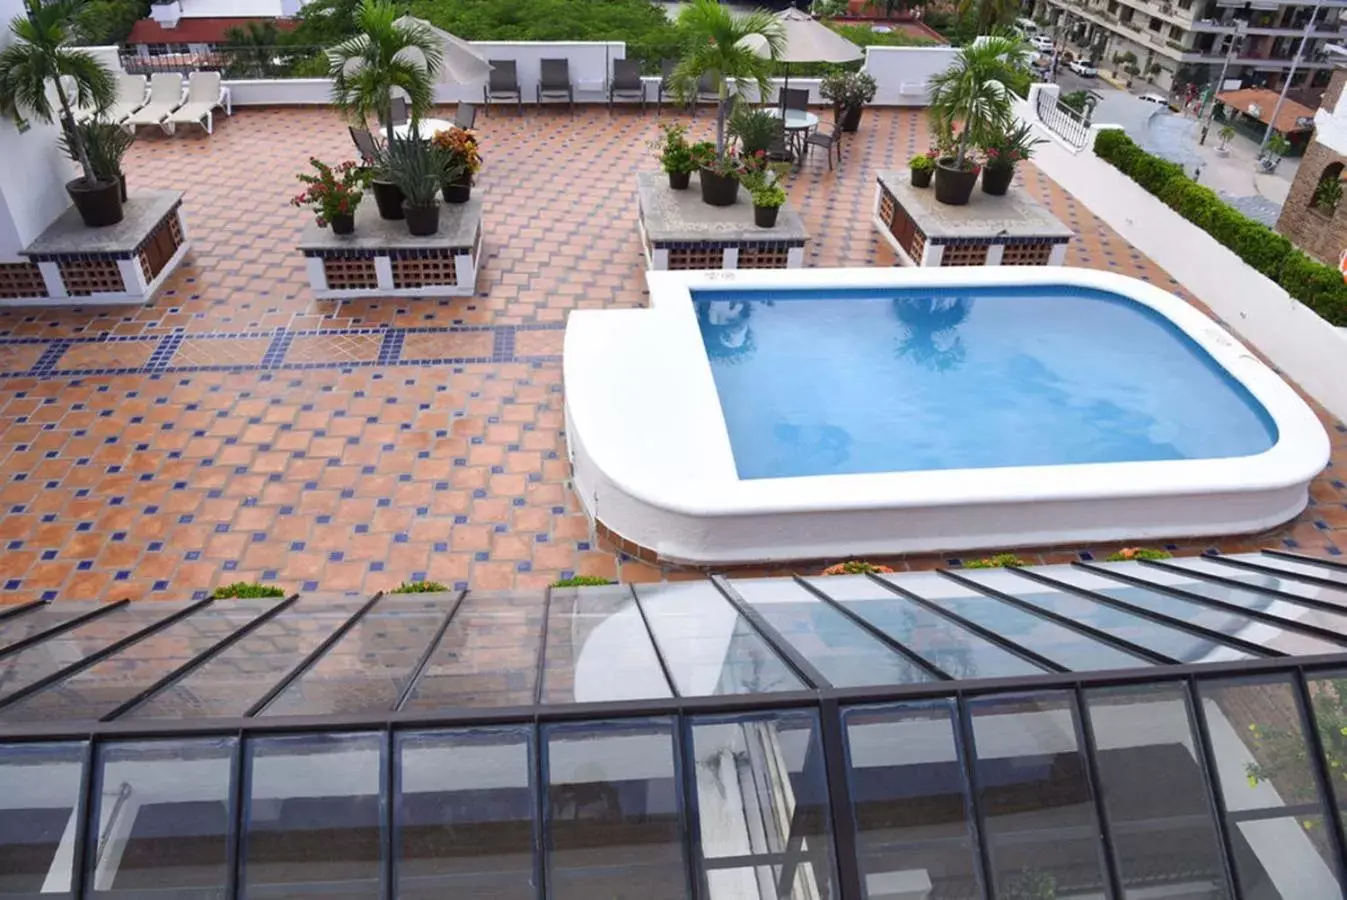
(194, 31)
(1289, 116)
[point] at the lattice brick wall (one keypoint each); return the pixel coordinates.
(699, 258)
(424, 271)
(83, 277)
(763, 258)
(350, 273)
(887, 207)
(163, 242)
(21, 280)
(1026, 254)
(964, 255)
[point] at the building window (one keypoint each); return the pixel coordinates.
(1176, 32)
(1185, 4)
(1328, 191)
(1156, 24)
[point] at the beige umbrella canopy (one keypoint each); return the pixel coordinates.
(461, 63)
(810, 41)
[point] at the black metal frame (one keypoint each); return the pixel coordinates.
(829, 704)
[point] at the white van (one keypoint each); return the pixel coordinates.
(1027, 27)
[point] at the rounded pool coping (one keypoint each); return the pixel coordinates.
(653, 461)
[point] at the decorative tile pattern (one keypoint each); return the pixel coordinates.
(260, 433)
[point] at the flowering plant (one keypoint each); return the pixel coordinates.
(730, 164)
(1005, 148)
(856, 567)
(459, 145)
(675, 153)
(1130, 553)
(334, 191)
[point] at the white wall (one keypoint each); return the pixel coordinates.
(590, 61)
(901, 73)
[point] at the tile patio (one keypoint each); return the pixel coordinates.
(238, 429)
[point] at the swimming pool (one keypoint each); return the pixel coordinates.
(756, 415)
(849, 380)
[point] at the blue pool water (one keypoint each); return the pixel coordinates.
(882, 380)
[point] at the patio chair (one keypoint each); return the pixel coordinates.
(778, 149)
(81, 113)
(666, 85)
(502, 84)
(465, 116)
(397, 111)
(555, 83)
(708, 91)
(792, 98)
(364, 142)
(166, 95)
(832, 140)
(626, 83)
(205, 93)
(131, 95)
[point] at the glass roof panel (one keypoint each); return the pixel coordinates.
(709, 648)
(107, 684)
(25, 625)
(841, 650)
(41, 660)
(488, 656)
(39, 791)
(1261, 632)
(464, 814)
(1287, 585)
(1297, 567)
(1172, 642)
(910, 801)
(230, 683)
(162, 810)
(613, 816)
(942, 642)
(1063, 646)
(314, 816)
(598, 648)
(367, 669)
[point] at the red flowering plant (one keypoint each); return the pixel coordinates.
(1005, 148)
(730, 164)
(334, 191)
(460, 147)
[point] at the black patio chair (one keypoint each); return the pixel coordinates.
(466, 115)
(791, 98)
(778, 149)
(829, 141)
(708, 91)
(666, 82)
(397, 111)
(555, 83)
(626, 83)
(503, 84)
(365, 144)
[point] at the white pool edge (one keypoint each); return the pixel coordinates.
(653, 463)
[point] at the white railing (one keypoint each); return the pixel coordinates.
(1061, 119)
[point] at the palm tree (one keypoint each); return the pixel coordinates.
(972, 93)
(735, 48)
(40, 56)
(988, 14)
(386, 54)
(251, 49)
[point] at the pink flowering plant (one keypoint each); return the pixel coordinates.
(333, 191)
(730, 164)
(1004, 149)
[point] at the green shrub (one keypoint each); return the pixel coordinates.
(857, 567)
(999, 561)
(1318, 286)
(581, 581)
(419, 587)
(244, 590)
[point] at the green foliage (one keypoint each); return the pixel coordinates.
(103, 22)
(857, 567)
(958, 28)
(419, 587)
(1082, 102)
(366, 68)
(245, 590)
(643, 25)
(1031, 884)
(1130, 553)
(770, 195)
(921, 163)
(581, 581)
(755, 128)
(1328, 193)
(988, 15)
(252, 50)
(1006, 148)
(105, 143)
(33, 64)
(1278, 144)
(675, 154)
(848, 90)
(1282, 754)
(972, 95)
(865, 36)
(1318, 286)
(416, 166)
(999, 561)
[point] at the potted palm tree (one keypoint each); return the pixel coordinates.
(31, 70)
(385, 55)
(970, 104)
(736, 50)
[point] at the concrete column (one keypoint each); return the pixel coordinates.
(51, 276)
(795, 258)
(465, 272)
(1058, 255)
(731, 258)
(383, 272)
(994, 254)
(317, 275)
(659, 259)
(931, 255)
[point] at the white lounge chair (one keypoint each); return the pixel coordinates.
(204, 95)
(166, 95)
(82, 113)
(131, 93)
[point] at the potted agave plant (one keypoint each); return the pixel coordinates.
(969, 103)
(1000, 154)
(675, 156)
(462, 161)
(922, 167)
(106, 145)
(333, 194)
(418, 169)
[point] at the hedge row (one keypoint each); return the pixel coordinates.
(1318, 286)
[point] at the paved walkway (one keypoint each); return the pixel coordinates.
(238, 429)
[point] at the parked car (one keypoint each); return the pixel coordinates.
(1041, 42)
(1157, 99)
(1084, 69)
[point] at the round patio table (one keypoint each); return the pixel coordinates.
(428, 128)
(798, 124)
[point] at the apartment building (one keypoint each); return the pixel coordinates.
(1177, 42)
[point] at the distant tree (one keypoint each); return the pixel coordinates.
(989, 14)
(252, 50)
(107, 21)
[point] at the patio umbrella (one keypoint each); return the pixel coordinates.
(810, 41)
(461, 62)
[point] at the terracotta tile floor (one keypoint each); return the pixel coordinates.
(237, 429)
